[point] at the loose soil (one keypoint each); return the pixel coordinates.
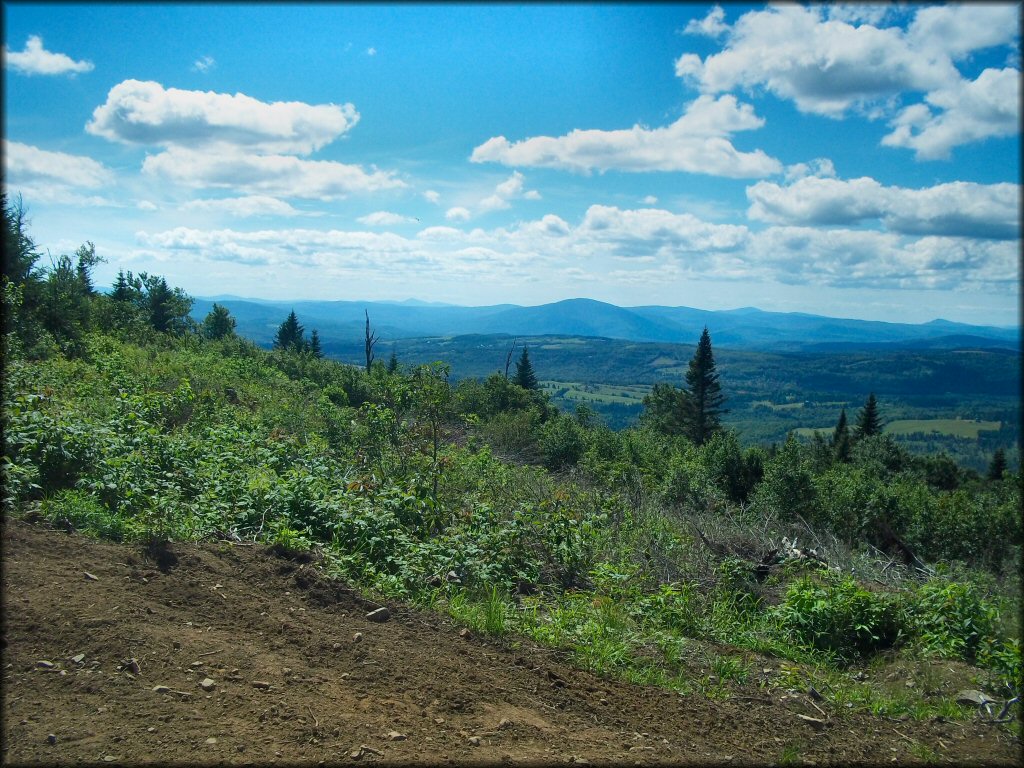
(234, 654)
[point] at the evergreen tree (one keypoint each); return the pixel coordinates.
(665, 409)
(393, 362)
(841, 438)
(525, 376)
(218, 323)
(167, 308)
(704, 396)
(290, 333)
(869, 422)
(314, 344)
(997, 468)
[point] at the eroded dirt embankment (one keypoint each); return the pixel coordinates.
(236, 655)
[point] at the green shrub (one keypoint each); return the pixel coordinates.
(835, 615)
(84, 512)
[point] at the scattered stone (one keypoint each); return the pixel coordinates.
(89, 576)
(161, 689)
(44, 664)
(357, 637)
(207, 684)
(380, 615)
(263, 685)
(396, 736)
(505, 724)
(133, 667)
(474, 740)
(452, 578)
(337, 646)
(51, 738)
(110, 759)
(439, 720)
(151, 729)
(212, 740)
(79, 658)
(464, 633)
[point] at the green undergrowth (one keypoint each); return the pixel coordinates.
(592, 548)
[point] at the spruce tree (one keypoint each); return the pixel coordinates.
(525, 376)
(289, 333)
(393, 362)
(841, 438)
(314, 344)
(704, 396)
(997, 468)
(869, 422)
(218, 323)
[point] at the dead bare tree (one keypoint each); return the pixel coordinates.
(371, 339)
(508, 358)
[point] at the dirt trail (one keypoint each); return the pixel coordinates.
(295, 672)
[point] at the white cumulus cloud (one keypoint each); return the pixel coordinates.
(146, 113)
(384, 219)
(830, 60)
(244, 207)
(25, 164)
(274, 175)
(457, 213)
(698, 142)
(204, 64)
(956, 209)
(36, 60)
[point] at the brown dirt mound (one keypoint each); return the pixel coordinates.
(237, 655)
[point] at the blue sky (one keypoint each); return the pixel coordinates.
(847, 160)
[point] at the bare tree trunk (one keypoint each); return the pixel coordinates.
(508, 359)
(371, 339)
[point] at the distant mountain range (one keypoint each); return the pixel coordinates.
(746, 328)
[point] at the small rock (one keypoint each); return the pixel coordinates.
(505, 724)
(212, 740)
(161, 689)
(207, 684)
(357, 637)
(263, 685)
(44, 664)
(89, 576)
(380, 615)
(51, 738)
(337, 646)
(151, 729)
(79, 658)
(464, 633)
(439, 720)
(396, 736)
(133, 667)
(110, 759)
(474, 740)
(452, 578)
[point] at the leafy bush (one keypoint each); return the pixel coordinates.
(836, 615)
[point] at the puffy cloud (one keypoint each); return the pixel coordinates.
(432, 196)
(969, 110)
(637, 232)
(825, 67)
(830, 60)
(244, 207)
(36, 60)
(277, 175)
(384, 219)
(712, 25)
(510, 189)
(957, 209)
(635, 247)
(457, 213)
(698, 142)
(146, 113)
(204, 64)
(25, 164)
(649, 200)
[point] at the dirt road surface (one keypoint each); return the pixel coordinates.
(237, 655)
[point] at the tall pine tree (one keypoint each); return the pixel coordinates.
(704, 398)
(525, 377)
(869, 422)
(841, 438)
(314, 344)
(290, 333)
(218, 323)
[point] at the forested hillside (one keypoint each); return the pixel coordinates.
(631, 550)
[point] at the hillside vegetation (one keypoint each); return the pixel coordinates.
(636, 551)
